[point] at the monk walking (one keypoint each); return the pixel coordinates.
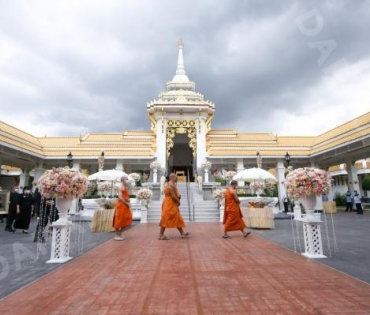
(171, 216)
(122, 215)
(232, 215)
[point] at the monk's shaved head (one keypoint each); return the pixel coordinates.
(172, 176)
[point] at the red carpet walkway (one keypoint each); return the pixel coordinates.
(203, 274)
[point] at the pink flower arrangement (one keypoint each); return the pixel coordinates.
(144, 194)
(257, 185)
(219, 194)
(105, 186)
(135, 176)
(155, 165)
(307, 181)
(207, 165)
(62, 182)
(229, 175)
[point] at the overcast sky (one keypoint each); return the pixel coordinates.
(285, 67)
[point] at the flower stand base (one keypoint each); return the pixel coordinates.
(312, 238)
(144, 215)
(297, 211)
(60, 242)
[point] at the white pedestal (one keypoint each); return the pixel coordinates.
(60, 242)
(155, 177)
(144, 215)
(206, 177)
(221, 206)
(297, 211)
(312, 238)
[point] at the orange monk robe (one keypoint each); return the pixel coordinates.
(232, 215)
(171, 216)
(122, 216)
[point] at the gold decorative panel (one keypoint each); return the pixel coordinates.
(181, 126)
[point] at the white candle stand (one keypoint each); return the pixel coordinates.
(60, 242)
(312, 237)
(61, 233)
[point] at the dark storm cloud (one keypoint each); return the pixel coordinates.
(91, 66)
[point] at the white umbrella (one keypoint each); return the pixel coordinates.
(112, 175)
(254, 174)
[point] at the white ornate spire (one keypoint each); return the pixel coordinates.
(180, 71)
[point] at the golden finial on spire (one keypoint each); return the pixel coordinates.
(180, 43)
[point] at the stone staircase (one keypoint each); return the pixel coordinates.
(203, 210)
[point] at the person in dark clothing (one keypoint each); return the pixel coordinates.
(37, 203)
(12, 211)
(24, 212)
(349, 202)
(43, 217)
(286, 203)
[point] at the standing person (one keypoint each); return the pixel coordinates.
(43, 216)
(24, 212)
(232, 214)
(357, 201)
(171, 216)
(13, 209)
(349, 206)
(122, 215)
(286, 203)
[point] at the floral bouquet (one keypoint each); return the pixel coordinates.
(155, 165)
(106, 203)
(229, 175)
(257, 185)
(62, 182)
(91, 187)
(144, 195)
(135, 176)
(107, 188)
(207, 165)
(219, 194)
(307, 181)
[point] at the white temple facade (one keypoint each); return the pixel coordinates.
(181, 138)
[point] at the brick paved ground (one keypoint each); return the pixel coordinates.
(203, 274)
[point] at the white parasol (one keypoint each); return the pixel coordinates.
(112, 175)
(254, 174)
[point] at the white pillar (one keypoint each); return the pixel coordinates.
(76, 165)
(318, 198)
(352, 176)
(281, 179)
(239, 168)
(73, 209)
(119, 165)
(161, 153)
(23, 179)
(38, 171)
(201, 140)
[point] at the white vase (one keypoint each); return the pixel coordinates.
(308, 202)
(63, 205)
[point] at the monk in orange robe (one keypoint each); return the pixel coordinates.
(122, 215)
(171, 216)
(232, 214)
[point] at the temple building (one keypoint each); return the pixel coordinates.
(181, 139)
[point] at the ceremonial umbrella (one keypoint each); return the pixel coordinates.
(112, 175)
(254, 174)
